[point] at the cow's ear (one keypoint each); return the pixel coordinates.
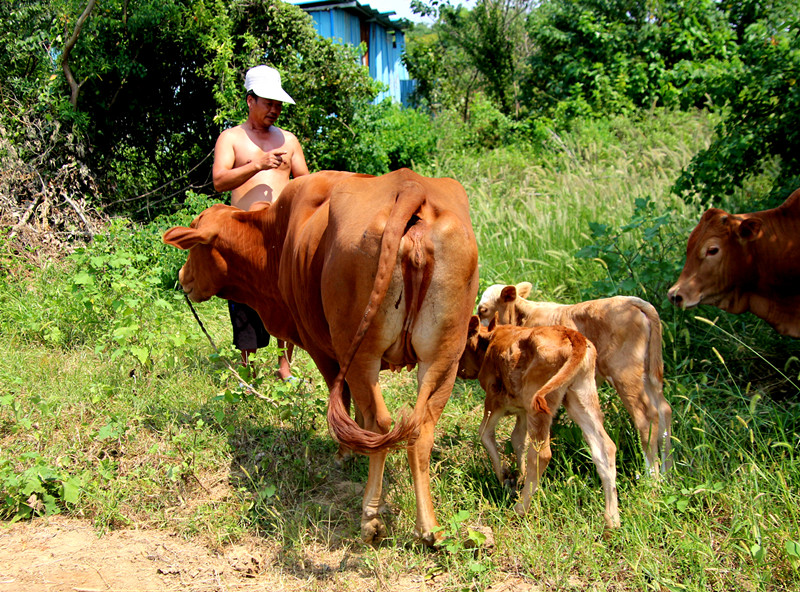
(492, 323)
(183, 238)
(508, 294)
(749, 229)
(260, 205)
(474, 323)
(524, 289)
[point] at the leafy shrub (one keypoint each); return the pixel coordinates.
(639, 256)
(405, 135)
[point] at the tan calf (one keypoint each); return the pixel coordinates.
(627, 333)
(529, 372)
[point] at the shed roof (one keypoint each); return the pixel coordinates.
(358, 9)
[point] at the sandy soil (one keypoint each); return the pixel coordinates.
(59, 554)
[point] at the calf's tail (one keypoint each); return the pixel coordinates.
(565, 374)
(409, 200)
(654, 359)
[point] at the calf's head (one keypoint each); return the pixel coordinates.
(498, 300)
(717, 260)
(478, 336)
(219, 241)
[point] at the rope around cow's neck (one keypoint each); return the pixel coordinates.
(225, 360)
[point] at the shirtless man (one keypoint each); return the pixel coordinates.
(255, 161)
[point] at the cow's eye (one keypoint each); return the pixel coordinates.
(482, 311)
(711, 251)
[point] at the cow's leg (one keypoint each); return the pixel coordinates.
(435, 383)
(488, 438)
(538, 457)
(583, 406)
(362, 378)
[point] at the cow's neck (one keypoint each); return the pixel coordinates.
(259, 283)
(775, 262)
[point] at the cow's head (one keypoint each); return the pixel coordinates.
(478, 336)
(499, 300)
(717, 260)
(219, 241)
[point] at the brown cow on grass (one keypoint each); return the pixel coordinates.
(363, 273)
(746, 262)
(627, 333)
(529, 372)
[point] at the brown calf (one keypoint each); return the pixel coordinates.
(529, 372)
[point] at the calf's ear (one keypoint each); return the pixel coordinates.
(492, 323)
(508, 294)
(183, 238)
(474, 323)
(524, 289)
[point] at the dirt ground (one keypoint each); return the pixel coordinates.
(59, 554)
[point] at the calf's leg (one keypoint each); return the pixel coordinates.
(629, 384)
(583, 406)
(487, 431)
(538, 457)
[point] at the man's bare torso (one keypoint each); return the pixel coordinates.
(249, 145)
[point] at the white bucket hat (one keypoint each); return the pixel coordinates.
(265, 82)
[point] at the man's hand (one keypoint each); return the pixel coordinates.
(271, 160)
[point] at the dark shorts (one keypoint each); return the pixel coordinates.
(248, 330)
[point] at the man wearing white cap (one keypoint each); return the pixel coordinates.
(255, 161)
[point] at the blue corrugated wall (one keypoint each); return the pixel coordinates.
(384, 52)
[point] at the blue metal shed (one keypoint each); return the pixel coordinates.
(352, 22)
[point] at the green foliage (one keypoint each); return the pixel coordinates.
(108, 300)
(406, 136)
(638, 257)
(446, 79)
(36, 491)
(469, 50)
(761, 123)
(617, 56)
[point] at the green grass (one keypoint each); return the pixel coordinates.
(131, 419)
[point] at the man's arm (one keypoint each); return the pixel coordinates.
(298, 164)
(228, 178)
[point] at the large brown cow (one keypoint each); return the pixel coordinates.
(741, 262)
(363, 273)
(627, 333)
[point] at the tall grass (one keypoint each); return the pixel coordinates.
(131, 419)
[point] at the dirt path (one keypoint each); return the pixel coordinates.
(61, 554)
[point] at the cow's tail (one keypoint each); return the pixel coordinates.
(565, 374)
(409, 200)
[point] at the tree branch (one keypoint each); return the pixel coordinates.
(73, 85)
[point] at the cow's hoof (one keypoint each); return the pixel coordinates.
(520, 509)
(612, 522)
(429, 539)
(342, 455)
(372, 530)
